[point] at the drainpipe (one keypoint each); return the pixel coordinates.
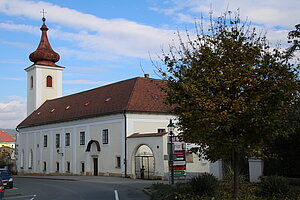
(16, 150)
(125, 158)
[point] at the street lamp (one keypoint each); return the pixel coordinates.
(170, 130)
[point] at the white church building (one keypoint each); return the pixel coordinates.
(113, 130)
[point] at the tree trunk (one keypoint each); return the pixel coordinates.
(235, 175)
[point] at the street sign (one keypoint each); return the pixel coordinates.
(178, 163)
(178, 159)
(179, 172)
(178, 167)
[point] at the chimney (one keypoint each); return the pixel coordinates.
(146, 75)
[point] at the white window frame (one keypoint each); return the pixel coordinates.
(45, 145)
(105, 136)
(30, 160)
(68, 139)
(82, 138)
(57, 140)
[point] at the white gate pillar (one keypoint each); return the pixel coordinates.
(255, 169)
(216, 169)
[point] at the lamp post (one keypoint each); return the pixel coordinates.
(171, 134)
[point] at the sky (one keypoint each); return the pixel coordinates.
(102, 42)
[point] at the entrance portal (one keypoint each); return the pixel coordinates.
(144, 163)
(95, 161)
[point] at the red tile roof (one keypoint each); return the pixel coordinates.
(4, 137)
(136, 135)
(132, 95)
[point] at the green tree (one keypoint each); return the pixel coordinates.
(294, 37)
(230, 90)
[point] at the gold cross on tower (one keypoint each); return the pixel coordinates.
(44, 19)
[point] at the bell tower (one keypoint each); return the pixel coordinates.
(44, 77)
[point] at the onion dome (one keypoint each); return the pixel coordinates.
(44, 54)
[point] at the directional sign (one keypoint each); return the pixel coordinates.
(178, 163)
(178, 167)
(178, 159)
(179, 172)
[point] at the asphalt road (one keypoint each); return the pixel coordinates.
(94, 189)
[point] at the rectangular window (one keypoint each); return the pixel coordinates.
(68, 166)
(45, 141)
(57, 166)
(57, 140)
(161, 130)
(82, 167)
(82, 138)
(105, 136)
(118, 162)
(45, 166)
(67, 141)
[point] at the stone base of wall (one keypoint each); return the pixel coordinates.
(89, 174)
(109, 174)
(47, 174)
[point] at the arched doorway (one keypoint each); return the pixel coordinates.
(144, 162)
(94, 148)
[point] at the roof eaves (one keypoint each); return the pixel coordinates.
(70, 119)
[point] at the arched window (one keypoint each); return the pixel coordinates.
(30, 159)
(31, 82)
(22, 159)
(49, 81)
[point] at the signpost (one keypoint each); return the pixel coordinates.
(179, 163)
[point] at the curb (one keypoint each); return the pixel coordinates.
(147, 192)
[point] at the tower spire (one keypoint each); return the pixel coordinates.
(44, 54)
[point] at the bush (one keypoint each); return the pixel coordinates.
(205, 184)
(274, 186)
(160, 191)
(183, 188)
(229, 175)
(191, 196)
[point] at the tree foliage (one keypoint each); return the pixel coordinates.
(284, 152)
(294, 37)
(231, 90)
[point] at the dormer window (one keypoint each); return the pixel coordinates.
(49, 81)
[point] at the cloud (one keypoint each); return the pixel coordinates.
(20, 99)
(276, 17)
(12, 113)
(115, 36)
(94, 38)
(19, 27)
(20, 44)
(86, 54)
(88, 69)
(13, 78)
(267, 13)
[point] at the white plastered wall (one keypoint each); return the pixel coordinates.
(39, 93)
(33, 138)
